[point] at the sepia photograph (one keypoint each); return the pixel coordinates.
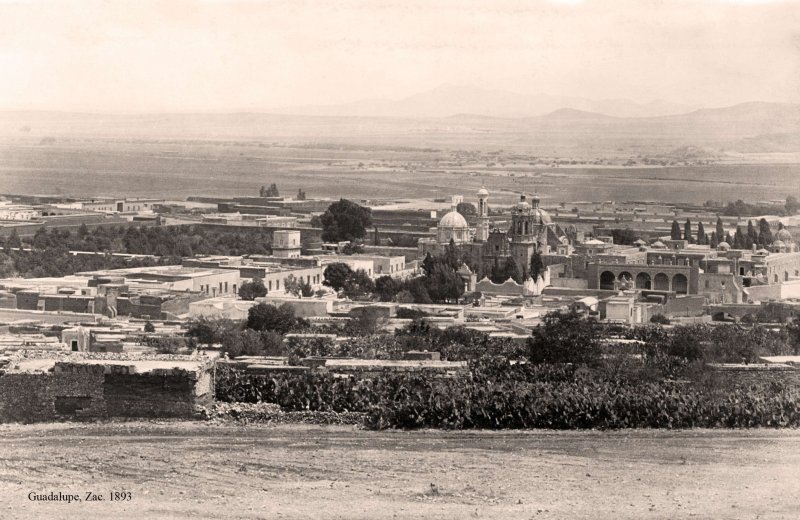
(400, 259)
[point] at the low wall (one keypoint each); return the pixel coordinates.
(80, 390)
(757, 374)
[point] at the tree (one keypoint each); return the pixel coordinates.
(406, 296)
(660, 319)
(358, 285)
(345, 220)
(265, 316)
(352, 248)
(764, 233)
(252, 289)
(713, 241)
(792, 205)
(738, 239)
(365, 321)
(508, 270)
(7, 267)
(427, 264)
(242, 343)
(208, 332)
(701, 234)
(687, 231)
(537, 265)
(297, 287)
(720, 230)
(386, 288)
(272, 191)
(149, 327)
(444, 284)
(301, 195)
(336, 274)
(625, 237)
(565, 338)
(675, 233)
(467, 209)
(752, 235)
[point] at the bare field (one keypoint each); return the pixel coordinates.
(180, 169)
(184, 469)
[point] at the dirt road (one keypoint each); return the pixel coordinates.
(180, 469)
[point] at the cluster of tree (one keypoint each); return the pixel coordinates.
(352, 248)
(744, 209)
(260, 335)
(570, 338)
(301, 195)
(509, 269)
(440, 283)
(404, 241)
(467, 209)
(761, 236)
(356, 285)
(625, 237)
(345, 221)
(57, 262)
(171, 241)
(272, 191)
(253, 289)
(297, 287)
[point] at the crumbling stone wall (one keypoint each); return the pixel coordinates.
(159, 393)
(74, 390)
(31, 397)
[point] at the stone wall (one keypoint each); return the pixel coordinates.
(74, 390)
(33, 397)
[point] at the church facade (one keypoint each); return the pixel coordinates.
(487, 247)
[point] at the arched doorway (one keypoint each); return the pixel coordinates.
(680, 284)
(661, 282)
(643, 281)
(607, 280)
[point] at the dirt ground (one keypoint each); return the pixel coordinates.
(183, 469)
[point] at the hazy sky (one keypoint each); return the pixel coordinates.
(253, 55)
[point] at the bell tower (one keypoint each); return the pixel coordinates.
(482, 233)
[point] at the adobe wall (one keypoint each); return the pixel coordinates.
(170, 393)
(33, 397)
(76, 391)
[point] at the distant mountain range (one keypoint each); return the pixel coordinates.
(747, 127)
(448, 100)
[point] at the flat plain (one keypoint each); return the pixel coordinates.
(179, 169)
(200, 470)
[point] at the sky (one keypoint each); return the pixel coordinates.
(215, 55)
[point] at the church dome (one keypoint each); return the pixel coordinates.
(453, 219)
(483, 192)
(723, 246)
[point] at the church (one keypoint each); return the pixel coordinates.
(491, 242)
